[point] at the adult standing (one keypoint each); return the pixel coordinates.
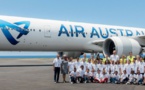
(84, 57)
(128, 67)
(77, 64)
(92, 59)
(114, 57)
(84, 63)
(89, 65)
(130, 57)
(141, 66)
(71, 65)
(94, 65)
(56, 67)
(123, 59)
(64, 68)
(137, 60)
(106, 59)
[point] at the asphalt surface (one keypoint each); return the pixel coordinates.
(39, 76)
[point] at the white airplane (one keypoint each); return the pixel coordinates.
(70, 38)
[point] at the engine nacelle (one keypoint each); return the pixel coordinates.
(70, 54)
(122, 45)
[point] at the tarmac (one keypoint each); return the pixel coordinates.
(37, 74)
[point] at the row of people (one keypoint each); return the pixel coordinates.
(108, 65)
(113, 66)
(82, 76)
(121, 70)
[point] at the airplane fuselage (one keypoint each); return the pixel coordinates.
(28, 34)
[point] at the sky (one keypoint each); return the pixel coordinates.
(111, 12)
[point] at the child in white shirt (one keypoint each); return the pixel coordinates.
(115, 78)
(109, 75)
(128, 68)
(84, 63)
(87, 76)
(131, 78)
(104, 78)
(120, 72)
(71, 65)
(112, 65)
(116, 66)
(133, 66)
(108, 67)
(81, 74)
(124, 77)
(95, 66)
(92, 75)
(98, 76)
(139, 78)
(77, 64)
(99, 66)
(141, 67)
(89, 65)
(73, 76)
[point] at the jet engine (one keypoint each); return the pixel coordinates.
(123, 45)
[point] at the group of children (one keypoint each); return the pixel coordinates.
(107, 71)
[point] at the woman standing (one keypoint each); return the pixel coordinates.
(64, 68)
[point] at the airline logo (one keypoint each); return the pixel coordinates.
(96, 32)
(7, 26)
